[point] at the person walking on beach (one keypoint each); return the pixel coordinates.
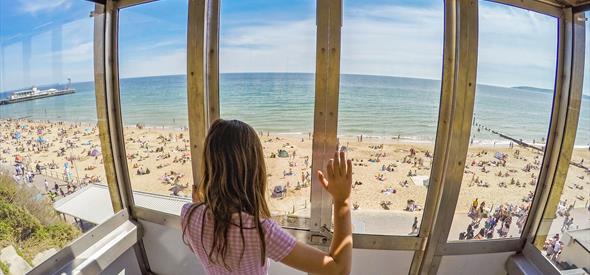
(228, 225)
(414, 226)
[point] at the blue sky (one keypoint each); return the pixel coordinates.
(44, 42)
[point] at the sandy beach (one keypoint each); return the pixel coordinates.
(388, 172)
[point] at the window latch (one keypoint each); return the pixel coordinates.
(322, 237)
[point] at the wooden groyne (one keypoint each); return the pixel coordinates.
(518, 141)
(524, 144)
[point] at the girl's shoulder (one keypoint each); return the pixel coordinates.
(186, 208)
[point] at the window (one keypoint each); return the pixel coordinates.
(267, 65)
(49, 139)
(152, 59)
(565, 243)
(388, 111)
(513, 103)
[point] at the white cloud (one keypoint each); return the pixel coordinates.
(284, 47)
(161, 44)
(64, 51)
(35, 6)
(517, 47)
(372, 43)
(13, 74)
(393, 40)
(170, 63)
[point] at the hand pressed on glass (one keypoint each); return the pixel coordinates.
(339, 178)
(338, 259)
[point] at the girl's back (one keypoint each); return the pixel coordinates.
(228, 225)
(200, 238)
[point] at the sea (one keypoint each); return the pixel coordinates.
(374, 106)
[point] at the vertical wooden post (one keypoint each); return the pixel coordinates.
(196, 89)
(212, 61)
(327, 81)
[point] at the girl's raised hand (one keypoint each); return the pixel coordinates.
(339, 178)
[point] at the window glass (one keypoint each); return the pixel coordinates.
(513, 102)
(267, 65)
(566, 243)
(50, 152)
(152, 58)
(388, 109)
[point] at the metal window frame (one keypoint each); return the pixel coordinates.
(574, 54)
(329, 16)
(443, 132)
(536, 6)
(102, 107)
(453, 130)
(559, 142)
(446, 247)
(462, 71)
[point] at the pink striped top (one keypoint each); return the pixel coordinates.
(278, 243)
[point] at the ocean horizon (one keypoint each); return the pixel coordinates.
(375, 106)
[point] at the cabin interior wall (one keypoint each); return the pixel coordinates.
(482, 264)
(126, 264)
(166, 256)
(166, 252)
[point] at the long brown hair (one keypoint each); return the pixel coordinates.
(233, 181)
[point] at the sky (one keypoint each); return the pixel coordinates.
(45, 42)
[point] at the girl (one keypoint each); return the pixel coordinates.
(228, 225)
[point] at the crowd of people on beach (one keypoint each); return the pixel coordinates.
(392, 170)
(22, 175)
(553, 248)
(498, 220)
(29, 150)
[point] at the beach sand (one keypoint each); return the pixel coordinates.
(164, 151)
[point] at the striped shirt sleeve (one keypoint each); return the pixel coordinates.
(279, 243)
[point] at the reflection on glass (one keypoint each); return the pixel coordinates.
(566, 243)
(50, 150)
(267, 61)
(513, 101)
(389, 97)
(152, 58)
